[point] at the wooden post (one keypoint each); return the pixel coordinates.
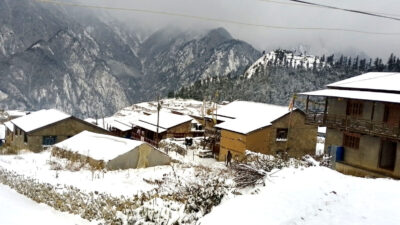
(325, 109)
(373, 111)
(291, 106)
(308, 99)
(158, 118)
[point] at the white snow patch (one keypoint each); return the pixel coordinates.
(314, 195)
(16, 209)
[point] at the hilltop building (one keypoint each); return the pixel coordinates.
(362, 116)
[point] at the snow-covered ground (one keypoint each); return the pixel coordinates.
(120, 182)
(16, 209)
(314, 195)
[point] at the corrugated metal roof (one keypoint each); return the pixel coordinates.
(362, 95)
(371, 81)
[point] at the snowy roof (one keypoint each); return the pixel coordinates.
(39, 119)
(166, 120)
(363, 95)
(150, 127)
(16, 113)
(371, 81)
(250, 116)
(122, 123)
(2, 131)
(244, 109)
(122, 126)
(98, 146)
(9, 126)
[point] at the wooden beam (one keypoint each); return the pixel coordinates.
(373, 110)
(325, 109)
(308, 99)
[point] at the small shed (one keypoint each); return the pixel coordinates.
(110, 152)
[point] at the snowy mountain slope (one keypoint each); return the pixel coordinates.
(85, 65)
(285, 58)
(54, 60)
(181, 61)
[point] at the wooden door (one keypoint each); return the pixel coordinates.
(392, 115)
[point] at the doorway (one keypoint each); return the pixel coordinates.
(387, 156)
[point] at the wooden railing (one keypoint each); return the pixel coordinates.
(142, 138)
(354, 124)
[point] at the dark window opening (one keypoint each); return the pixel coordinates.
(387, 156)
(351, 140)
(282, 134)
(25, 138)
(386, 114)
(354, 108)
(49, 140)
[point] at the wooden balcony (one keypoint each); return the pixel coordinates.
(145, 139)
(355, 125)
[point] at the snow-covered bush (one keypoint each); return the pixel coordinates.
(168, 146)
(176, 199)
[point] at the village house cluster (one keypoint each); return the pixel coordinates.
(362, 116)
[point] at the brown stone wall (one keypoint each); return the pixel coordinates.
(364, 158)
(336, 106)
(232, 141)
(302, 138)
(184, 128)
(259, 141)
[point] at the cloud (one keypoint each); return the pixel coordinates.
(273, 14)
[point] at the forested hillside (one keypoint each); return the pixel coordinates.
(276, 76)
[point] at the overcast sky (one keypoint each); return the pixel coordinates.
(269, 13)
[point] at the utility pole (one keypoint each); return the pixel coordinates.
(158, 115)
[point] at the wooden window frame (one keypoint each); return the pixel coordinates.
(281, 130)
(351, 140)
(354, 108)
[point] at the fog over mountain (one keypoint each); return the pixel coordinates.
(282, 13)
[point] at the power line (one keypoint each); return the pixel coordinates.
(318, 6)
(346, 10)
(147, 11)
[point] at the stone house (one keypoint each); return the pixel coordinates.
(264, 128)
(45, 128)
(362, 116)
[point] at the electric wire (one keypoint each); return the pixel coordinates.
(165, 13)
